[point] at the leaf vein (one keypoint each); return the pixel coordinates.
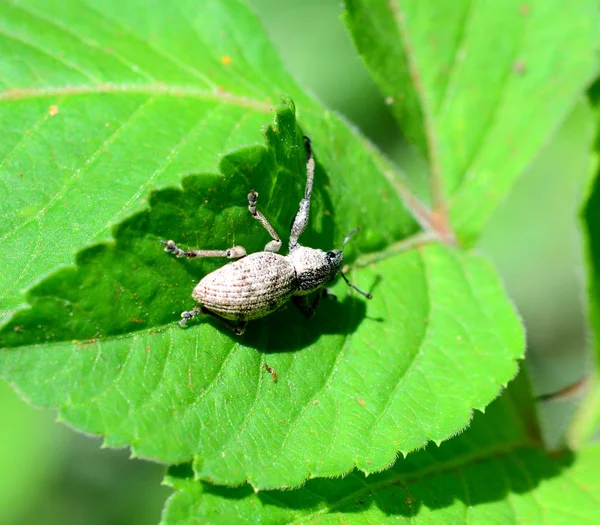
(250, 87)
(435, 180)
(479, 148)
(57, 58)
(437, 468)
(53, 21)
(312, 395)
(168, 160)
(24, 139)
(77, 172)
(189, 408)
(147, 89)
(159, 50)
(250, 412)
(453, 67)
(399, 383)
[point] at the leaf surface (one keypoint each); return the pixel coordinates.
(107, 101)
(493, 473)
(369, 380)
(130, 100)
(477, 86)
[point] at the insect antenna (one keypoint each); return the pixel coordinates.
(349, 236)
(366, 294)
(346, 239)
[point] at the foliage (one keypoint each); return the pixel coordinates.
(128, 123)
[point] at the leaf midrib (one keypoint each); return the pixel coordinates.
(436, 186)
(439, 468)
(154, 89)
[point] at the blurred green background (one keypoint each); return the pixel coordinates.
(52, 475)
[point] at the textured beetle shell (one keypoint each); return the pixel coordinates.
(249, 288)
(314, 267)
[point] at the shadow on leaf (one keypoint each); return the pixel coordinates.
(132, 285)
(288, 330)
(483, 465)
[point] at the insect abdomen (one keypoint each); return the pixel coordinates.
(249, 288)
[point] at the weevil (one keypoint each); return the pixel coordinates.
(256, 285)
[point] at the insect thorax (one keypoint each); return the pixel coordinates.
(314, 267)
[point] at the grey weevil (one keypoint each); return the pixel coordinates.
(260, 283)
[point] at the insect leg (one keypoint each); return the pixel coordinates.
(301, 301)
(237, 328)
(186, 316)
(301, 220)
(235, 252)
(275, 244)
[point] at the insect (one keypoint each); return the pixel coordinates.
(256, 285)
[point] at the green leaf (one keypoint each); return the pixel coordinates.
(587, 422)
(185, 89)
(494, 472)
(438, 340)
(103, 103)
(478, 86)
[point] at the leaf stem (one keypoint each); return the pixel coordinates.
(440, 218)
(418, 239)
